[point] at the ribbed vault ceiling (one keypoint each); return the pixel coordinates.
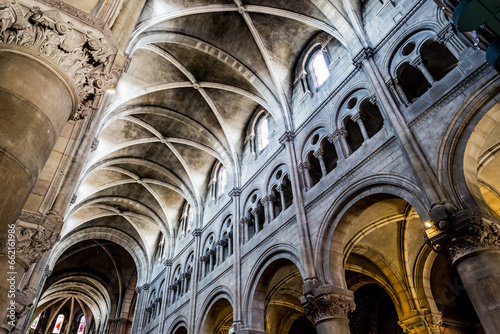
(198, 72)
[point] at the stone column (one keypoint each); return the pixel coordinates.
(164, 303)
(398, 91)
(255, 213)
(358, 118)
(244, 221)
(140, 307)
(448, 36)
(418, 63)
(338, 138)
(281, 188)
(319, 155)
(196, 268)
(305, 239)
(304, 168)
(230, 244)
(329, 306)
(472, 241)
(237, 313)
(44, 54)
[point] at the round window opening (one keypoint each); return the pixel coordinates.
(254, 198)
(408, 48)
(352, 103)
(315, 139)
(278, 175)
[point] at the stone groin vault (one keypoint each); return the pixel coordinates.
(249, 166)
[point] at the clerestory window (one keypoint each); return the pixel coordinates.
(320, 68)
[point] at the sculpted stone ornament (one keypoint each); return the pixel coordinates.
(327, 302)
(87, 59)
(35, 236)
(419, 323)
(466, 232)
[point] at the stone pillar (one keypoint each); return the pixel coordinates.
(281, 188)
(305, 239)
(44, 54)
(418, 63)
(329, 306)
(448, 36)
(140, 307)
(398, 91)
(472, 241)
(304, 168)
(237, 313)
(319, 155)
(196, 268)
(230, 244)
(244, 221)
(164, 303)
(255, 213)
(358, 118)
(338, 138)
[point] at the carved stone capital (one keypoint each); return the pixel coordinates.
(85, 51)
(327, 302)
(365, 53)
(168, 262)
(235, 192)
(419, 323)
(268, 198)
(464, 233)
(337, 135)
(286, 137)
(304, 166)
(244, 220)
(35, 236)
(357, 117)
(417, 62)
(197, 232)
(319, 153)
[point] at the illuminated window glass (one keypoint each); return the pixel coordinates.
(320, 69)
(58, 325)
(81, 327)
(263, 133)
(222, 179)
(35, 322)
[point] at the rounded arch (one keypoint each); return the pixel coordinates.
(460, 150)
(221, 296)
(331, 236)
(133, 247)
(275, 254)
(178, 326)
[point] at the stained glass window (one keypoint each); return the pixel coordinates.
(263, 133)
(35, 322)
(222, 179)
(320, 69)
(58, 325)
(81, 327)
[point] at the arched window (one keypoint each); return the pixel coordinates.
(320, 68)
(190, 217)
(263, 133)
(81, 326)
(58, 325)
(222, 179)
(35, 322)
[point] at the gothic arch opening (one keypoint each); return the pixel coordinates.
(438, 60)
(412, 81)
